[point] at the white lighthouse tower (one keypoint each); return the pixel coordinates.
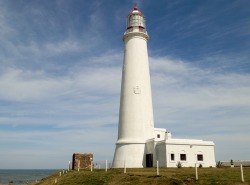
(139, 144)
(136, 122)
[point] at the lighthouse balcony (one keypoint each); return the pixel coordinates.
(136, 29)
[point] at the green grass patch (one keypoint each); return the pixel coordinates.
(168, 176)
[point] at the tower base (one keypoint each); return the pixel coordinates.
(131, 155)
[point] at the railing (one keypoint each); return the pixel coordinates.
(135, 29)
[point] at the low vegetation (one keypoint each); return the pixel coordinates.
(167, 176)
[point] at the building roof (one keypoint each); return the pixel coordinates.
(187, 142)
(136, 11)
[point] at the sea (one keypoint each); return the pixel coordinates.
(22, 177)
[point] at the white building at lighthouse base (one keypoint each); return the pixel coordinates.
(170, 152)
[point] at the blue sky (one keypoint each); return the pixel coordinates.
(60, 74)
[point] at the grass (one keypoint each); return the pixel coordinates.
(168, 176)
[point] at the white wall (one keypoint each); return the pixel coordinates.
(191, 150)
(132, 154)
(159, 134)
(160, 155)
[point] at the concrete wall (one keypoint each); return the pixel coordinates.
(191, 151)
(160, 155)
(159, 134)
(236, 163)
(136, 122)
(131, 154)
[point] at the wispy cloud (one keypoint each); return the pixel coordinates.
(87, 99)
(60, 74)
(188, 98)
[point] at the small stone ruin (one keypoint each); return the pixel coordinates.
(81, 161)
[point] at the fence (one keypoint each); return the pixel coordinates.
(237, 163)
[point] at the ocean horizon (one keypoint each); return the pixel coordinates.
(23, 176)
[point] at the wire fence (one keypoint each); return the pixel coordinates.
(105, 164)
(102, 164)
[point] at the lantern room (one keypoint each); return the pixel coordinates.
(136, 21)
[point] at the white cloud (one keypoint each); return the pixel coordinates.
(193, 102)
(81, 106)
(188, 86)
(20, 85)
(53, 147)
(63, 47)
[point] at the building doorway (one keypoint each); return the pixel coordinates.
(149, 160)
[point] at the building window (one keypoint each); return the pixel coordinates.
(199, 157)
(172, 157)
(183, 157)
(158, 135)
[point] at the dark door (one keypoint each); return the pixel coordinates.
(149, 160)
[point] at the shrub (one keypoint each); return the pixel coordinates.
(179, 165)
(219, 164)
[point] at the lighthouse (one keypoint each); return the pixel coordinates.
(136, 121)
(139, 144)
